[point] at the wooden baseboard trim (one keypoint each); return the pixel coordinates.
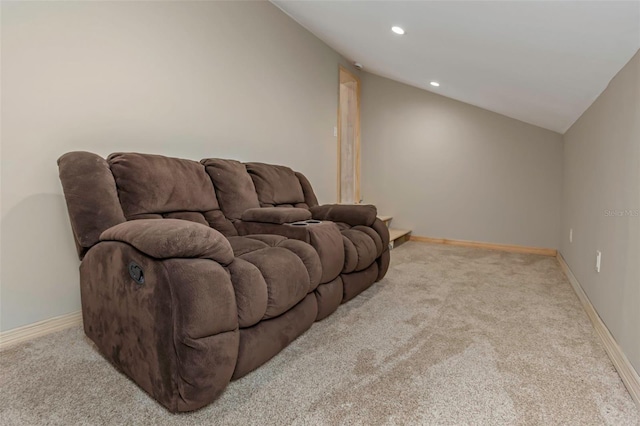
(627, 373)
(489, 246)
(40, 328)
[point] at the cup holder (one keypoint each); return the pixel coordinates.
(306, 222)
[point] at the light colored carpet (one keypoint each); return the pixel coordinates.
(451, 336)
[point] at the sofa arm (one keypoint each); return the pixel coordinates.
(172, 238)
(175, 334)
(354, 215)
(277, 215)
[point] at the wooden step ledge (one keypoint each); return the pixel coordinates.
(394, 234)
(398, 236)
(385, 218)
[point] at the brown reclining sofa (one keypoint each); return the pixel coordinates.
(244, 262)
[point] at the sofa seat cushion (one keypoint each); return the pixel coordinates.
(244, 245)
(270, 275)
(362, 245)
(324, 237)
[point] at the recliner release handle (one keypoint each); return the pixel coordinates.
(135, 271)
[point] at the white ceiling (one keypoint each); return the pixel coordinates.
(542, 62)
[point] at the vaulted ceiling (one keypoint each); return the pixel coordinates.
(542, 62)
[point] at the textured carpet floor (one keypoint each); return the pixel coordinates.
(451, 336)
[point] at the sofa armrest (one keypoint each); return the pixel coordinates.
(175, 333)
(277, 215)
(354, 215)
(172, 238)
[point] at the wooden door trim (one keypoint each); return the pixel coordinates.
(355, 78)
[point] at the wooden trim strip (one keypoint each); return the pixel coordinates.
(358, 196)
(627, 373)
(346, 76)
(339, 140)
(38, 329)
(489, 246)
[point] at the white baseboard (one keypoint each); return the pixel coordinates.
(626, 371)
(37, 329)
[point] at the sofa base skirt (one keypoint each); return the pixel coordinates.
(357, 282)
(329, 297)
(383, 264)
(260, 343)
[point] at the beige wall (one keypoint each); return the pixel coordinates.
(448, 169)
(602, 181)
(190, 79)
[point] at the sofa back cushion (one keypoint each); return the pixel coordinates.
(154, 186)
(309, 196)
(276, 185)
(234, 187)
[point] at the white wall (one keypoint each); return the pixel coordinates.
(601, 182)
(190, 79)
(447, 169)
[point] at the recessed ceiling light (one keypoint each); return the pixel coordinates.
(397, 30)
(435, 83)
